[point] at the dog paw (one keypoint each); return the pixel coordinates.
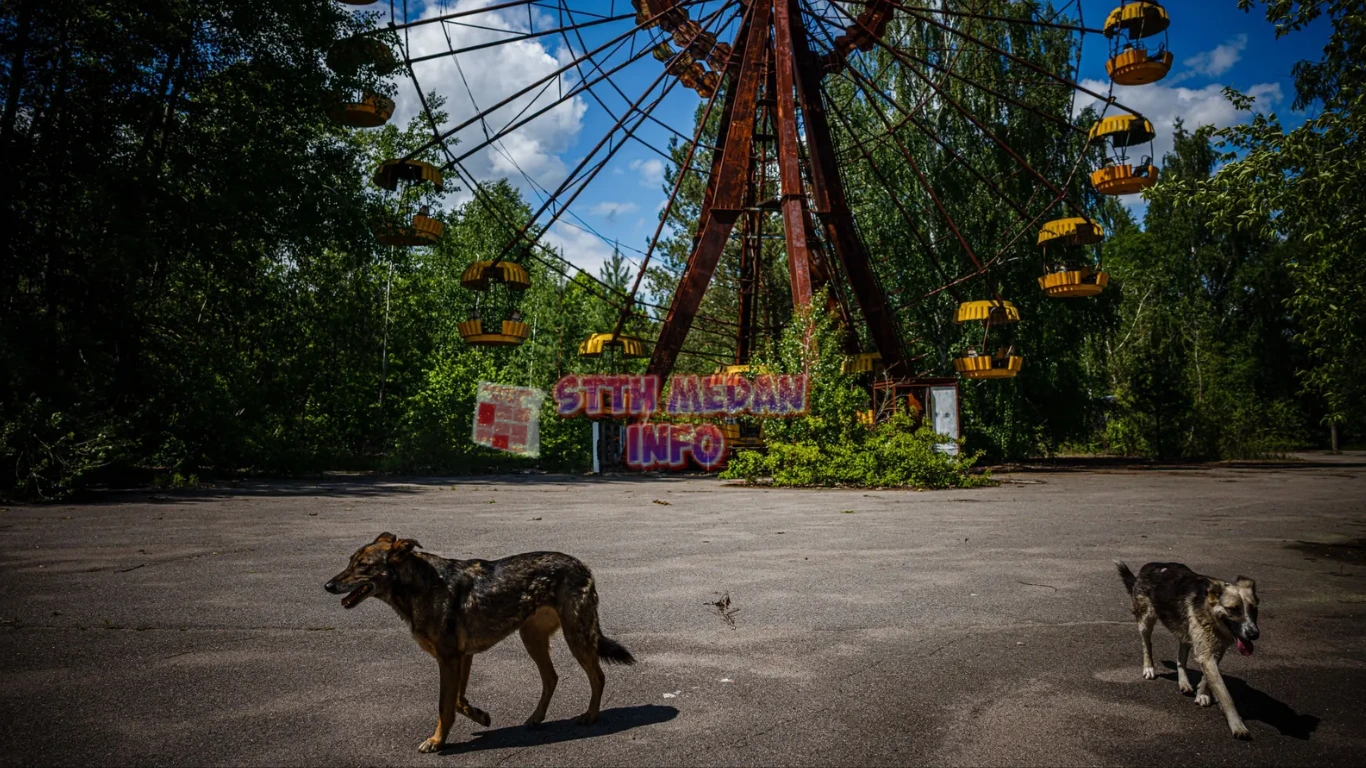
(430, 745)
(1240, 732)
(534, 721)
(1203, 699)
(1149, 673)
(587, 718)
(1185, 687)
(480, 716)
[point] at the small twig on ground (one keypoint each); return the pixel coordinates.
(1032, 584)
(723, 609)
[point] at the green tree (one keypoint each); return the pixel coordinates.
(1301, 186)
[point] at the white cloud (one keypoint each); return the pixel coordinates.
(580, 248)
(1220, 60)
(610, 210)
(651, 171)
(493, 74)
(1163, 105)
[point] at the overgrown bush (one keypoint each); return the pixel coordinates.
(828, 446)
(894, 455)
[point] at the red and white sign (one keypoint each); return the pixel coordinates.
(508, 418)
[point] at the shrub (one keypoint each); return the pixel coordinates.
(896, 454)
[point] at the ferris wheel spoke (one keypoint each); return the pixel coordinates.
(518, 36)
(920, 175)
(407, 25)
(909, 118)
(577, 28)
(544, 81)
(956, 53)
(591, 172)
(957, 107)
(893, 194)
(585, 86)
(1108, 98)
(446, 17)
(693, 145)
(951, 72)
(990, 17)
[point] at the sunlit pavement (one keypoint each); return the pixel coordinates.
(982, 627)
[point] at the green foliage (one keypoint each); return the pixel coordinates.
(894, 455)
(811, 345)
(828, 446)
(1200, 364)
(1303, 187)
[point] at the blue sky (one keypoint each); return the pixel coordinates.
(1215, 45)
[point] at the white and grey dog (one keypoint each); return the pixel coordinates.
(1206, 614)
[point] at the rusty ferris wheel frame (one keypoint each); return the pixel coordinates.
(767, 82)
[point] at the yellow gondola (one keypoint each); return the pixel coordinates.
(513, 332)
(1062, 278)
(424, 230)
(1005, 363)
(478, 275)
(1124, 130)
(391, 172)
(1136, 66)
(1074, 283)
(998, 312)
(371, 110)
(1118, 177)
(1128, 28)
(1075, 231)
(349, 55)
(1005, 366)
(862, 362)
(1137, 20)
(599, 343)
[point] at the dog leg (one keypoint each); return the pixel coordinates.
(1202, 691)
(536, 634)
(446, 710)
(1182, 681)
(582, 638)
(1210, 666)
(461, 705)
(1145, 633)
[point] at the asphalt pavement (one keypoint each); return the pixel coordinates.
(972, 627)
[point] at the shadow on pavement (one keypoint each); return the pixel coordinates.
(1256, 705)
(610, 721)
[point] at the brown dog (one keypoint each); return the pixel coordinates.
(1206, 614)
(457, 608)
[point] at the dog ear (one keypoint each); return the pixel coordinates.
(1247, 583)
(1216, 590)
(401, 547)
(385, 537)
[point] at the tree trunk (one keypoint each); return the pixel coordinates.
(1333, 427)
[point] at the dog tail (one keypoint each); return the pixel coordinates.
(1127, 575)
(613, 652)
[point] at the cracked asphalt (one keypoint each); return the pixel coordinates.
(981, 627)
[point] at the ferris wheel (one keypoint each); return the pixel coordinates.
(894, 153)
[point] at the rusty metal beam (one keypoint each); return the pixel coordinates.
(832, 207)
(725, 198)
(791, 191)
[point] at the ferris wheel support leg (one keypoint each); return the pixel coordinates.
(832, 207)
(789, 168)
(724, 203)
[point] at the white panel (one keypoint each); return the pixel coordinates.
(944, 407)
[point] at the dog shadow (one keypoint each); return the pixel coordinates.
(1253, 704)
(610, 721)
